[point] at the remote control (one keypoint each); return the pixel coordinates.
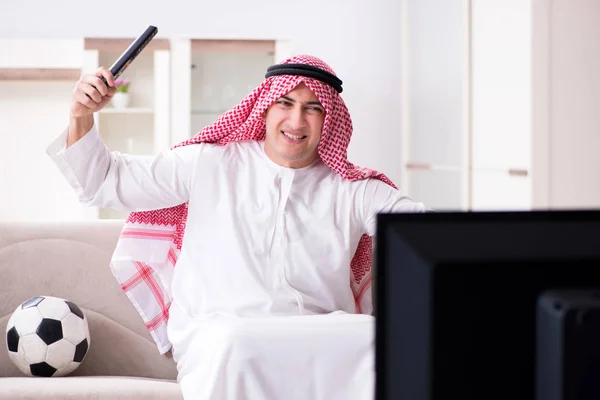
(132, 52)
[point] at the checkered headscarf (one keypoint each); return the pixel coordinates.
(150, 242)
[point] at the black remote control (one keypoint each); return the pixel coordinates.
(132, 52)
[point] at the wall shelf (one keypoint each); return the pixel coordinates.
(129, 110)
(119, 45)
(39, 74)
(253, 46)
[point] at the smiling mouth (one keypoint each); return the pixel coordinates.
(293, 137)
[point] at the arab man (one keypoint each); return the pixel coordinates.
(248, 248)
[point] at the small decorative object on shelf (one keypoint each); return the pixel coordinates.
(121, 98)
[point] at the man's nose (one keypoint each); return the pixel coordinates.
(297, 119)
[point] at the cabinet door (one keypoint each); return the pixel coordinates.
(435, 86)
(210, 76)
(438, 189)
(500, 190)
(501, 104)
(220, 79)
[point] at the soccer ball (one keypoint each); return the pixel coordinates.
(47, 336)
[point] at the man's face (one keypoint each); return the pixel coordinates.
(294, 124)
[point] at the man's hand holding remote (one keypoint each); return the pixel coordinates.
(90, 95)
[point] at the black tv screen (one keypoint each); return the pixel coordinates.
(456, 296)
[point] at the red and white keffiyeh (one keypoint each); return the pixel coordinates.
(150, 242)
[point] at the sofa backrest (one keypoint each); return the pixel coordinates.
(71, 260)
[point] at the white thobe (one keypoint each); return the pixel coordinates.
(262, 306)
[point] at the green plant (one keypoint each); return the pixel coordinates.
(122, 85)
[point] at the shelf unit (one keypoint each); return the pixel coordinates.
(178, 86)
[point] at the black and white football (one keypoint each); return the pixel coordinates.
(47, 336)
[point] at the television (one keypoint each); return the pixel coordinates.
(487, 305)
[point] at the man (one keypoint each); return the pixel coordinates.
(269, 226)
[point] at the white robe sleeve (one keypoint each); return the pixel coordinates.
(379, 197)
(108, 179)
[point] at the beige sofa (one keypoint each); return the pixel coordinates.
(70, 260)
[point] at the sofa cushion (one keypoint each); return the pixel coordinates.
(71, 260)
(96, 387)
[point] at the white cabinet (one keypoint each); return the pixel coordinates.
(501, 104)
(468, 77)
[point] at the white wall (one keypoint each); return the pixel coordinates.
(32, 114)
(566, 100)
(359, 39)
(30, 186)
(575, 104)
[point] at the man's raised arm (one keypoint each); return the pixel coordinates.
(90, 95)
(110, 179)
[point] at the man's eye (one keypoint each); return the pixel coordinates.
(315, 109)
(284, 103)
